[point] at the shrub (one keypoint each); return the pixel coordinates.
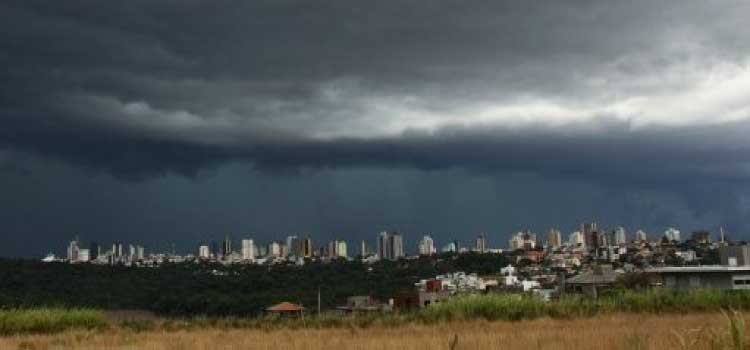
(49, 320)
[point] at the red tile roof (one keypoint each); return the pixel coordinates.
(285, 307)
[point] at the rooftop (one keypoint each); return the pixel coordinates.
(689, 269)
(285, 307)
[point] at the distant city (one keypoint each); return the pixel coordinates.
(590, 241)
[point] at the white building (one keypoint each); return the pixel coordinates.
(640, 236)
(274, 249)
(620, 236)
(450, 248)
(140, 253)
(83, 255)
(341, 249)
(523, 240)
(248, 250)
(293, 246)
(363, 252)
(50, 258)
(458, 282)
(204, 252)
(73, 250)
(576, 239)
(672, 234)
(426, 246)
(131, 252)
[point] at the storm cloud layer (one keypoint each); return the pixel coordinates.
(637, 95)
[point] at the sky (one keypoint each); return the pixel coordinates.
(175, 122)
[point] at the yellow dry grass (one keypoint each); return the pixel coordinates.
(614, 331)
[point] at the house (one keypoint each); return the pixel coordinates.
(363, 304)
(286, 309)
(591, 283)
(427, 298)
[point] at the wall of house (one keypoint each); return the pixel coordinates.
(687, 281)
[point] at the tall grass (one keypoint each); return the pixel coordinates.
(517, 307)
(49, 320)
(620, 331)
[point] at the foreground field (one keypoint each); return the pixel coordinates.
(612, 331)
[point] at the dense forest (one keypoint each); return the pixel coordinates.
(214, 289)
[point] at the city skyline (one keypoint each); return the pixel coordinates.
(393, 245)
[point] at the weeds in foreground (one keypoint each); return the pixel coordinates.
(49, 320)
(733, 336)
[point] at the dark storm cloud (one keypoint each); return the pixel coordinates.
(144, 88)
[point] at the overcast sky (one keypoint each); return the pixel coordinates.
(167, 122)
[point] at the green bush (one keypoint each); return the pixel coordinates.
(49, 320)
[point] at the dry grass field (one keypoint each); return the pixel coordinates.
(612, 331)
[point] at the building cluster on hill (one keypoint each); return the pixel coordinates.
(590, 261)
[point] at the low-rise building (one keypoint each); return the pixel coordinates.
(684, 278)
(592, 282)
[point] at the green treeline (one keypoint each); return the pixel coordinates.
(214, 289)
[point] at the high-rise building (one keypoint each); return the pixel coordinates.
(640, 236)
(554, 238)
(398, 246)
(426, 246)
(672, 234)
(83, 255)
(131, 252)
(73, 250)
(117, 250)
(94, 250)
(480, 244)
(383, 247)
(294, 246)
(523, 240)
(590, 234)
(336, 249)
(331, 249)
(140, 253)
(620, 236)
(576, 240)
(363, 251)
(262, 250)
(226, 246)
(341, 249)
(451, 247)
(248, 250)
(308, 250)
(390, 246)
(204, 252)
(274, 249)
(602, 239)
